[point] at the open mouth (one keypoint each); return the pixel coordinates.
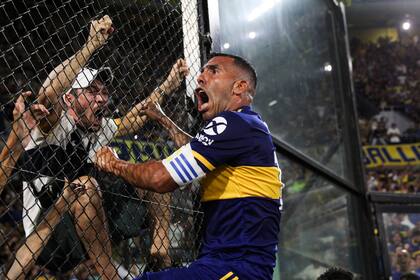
(99, 114)
(202, 99)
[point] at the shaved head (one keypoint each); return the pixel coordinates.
(244, 66)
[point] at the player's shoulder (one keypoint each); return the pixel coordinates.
(224, 124)
(248, 118)
(235, 124)
(244, 115)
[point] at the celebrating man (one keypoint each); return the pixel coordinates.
(241, 182)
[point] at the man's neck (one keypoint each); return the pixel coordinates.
(236, 107)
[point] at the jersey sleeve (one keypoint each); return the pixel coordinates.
(221, 141)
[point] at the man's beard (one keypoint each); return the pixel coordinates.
(82, 121)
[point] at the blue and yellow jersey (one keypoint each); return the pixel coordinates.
(241, 185)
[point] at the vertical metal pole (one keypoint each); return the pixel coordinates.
(191, 42)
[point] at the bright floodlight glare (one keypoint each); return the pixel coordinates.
(252, 35)
(226, 46)
(406, 25)
(327, 67)
(261, 9)
(272, 103)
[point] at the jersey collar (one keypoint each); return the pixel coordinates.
(244, 109)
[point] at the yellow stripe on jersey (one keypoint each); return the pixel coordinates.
(203, 160)
(227, 182)
(226, 276)
(235, 278)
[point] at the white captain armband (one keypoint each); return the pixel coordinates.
(183, 166)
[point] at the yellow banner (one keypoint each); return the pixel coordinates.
(391, 155)
(140, 151)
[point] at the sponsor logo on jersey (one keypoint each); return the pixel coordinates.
(204, 139)
(216, 126)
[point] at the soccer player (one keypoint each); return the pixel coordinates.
(235, 159)
(63, 146)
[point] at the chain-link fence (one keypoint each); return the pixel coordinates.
(61, 218)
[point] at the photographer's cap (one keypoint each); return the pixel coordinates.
(87, 75)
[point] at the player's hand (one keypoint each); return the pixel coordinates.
(153, 111)
(99, 32)
(105, 159)
(178, 72)
(26, 120)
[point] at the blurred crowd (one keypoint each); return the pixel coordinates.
(380, 131)
(405, 180)
(387, 78)
(388, 74)
(403, 233)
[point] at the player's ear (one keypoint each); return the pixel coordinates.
(240, 87)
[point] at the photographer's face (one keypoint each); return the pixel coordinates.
(89, 105)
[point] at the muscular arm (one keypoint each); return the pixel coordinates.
(151, 175)
(23, 122)
(30, 250)
(8, 158)
(155, 112)
(177, 135)
(57, 82)
(134, 119)
(63, 75)
(161, 217)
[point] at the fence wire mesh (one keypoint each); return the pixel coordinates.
(61, 218)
